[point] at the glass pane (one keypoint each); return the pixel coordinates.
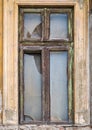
(58, 86)
(58, 26)
(32, 26)
(32, 86)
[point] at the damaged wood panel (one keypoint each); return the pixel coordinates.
(90, 4)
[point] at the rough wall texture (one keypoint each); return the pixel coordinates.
(91, 63)
(90, 41)
(10, 96)
(44, 127)
(1, 57)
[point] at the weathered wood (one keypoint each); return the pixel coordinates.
(10, 58)
(70, 84)
(46, 83)
(90, 5)
(21, 86)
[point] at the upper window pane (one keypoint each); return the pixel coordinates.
(58, 26)
(32, 26)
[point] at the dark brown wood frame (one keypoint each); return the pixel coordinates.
(45, 50)
(45, 13)
(21, 22)
(44, 46)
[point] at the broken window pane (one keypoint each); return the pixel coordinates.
(58, 86)
(32, 86)
(58, 26)
(32, 26)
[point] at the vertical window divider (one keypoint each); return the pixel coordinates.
(46, 83)
(70, 27)
(70, 84)
(21, 66)
(21, 23)
(43, 25)
(46, 24)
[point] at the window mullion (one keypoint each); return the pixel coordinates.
(21, 25)
(46, 84)
(70, 27)
(46, 24)
(21, 66)
(70, 83)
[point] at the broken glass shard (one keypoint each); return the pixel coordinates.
(32, 87)
(32, 26)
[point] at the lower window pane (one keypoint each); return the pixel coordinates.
(58, 86)
(32, 87)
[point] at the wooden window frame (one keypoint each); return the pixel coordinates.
(45, 52)
(45, 12)
(45, 48)
(69, 12)
(21, 21)
(10, 62)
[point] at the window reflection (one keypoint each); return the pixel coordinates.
(58, 26)
(58, 86)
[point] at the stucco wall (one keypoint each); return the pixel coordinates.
(44, 127)
(10, 98)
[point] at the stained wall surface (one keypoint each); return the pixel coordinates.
(9, 67)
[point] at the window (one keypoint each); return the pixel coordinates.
(46, 65)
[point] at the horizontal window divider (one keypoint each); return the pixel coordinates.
(49, 43)
(34, 49)
(60, 10)
(29, 10)
(47, 40)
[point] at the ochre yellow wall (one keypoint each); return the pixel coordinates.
(1, 56)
